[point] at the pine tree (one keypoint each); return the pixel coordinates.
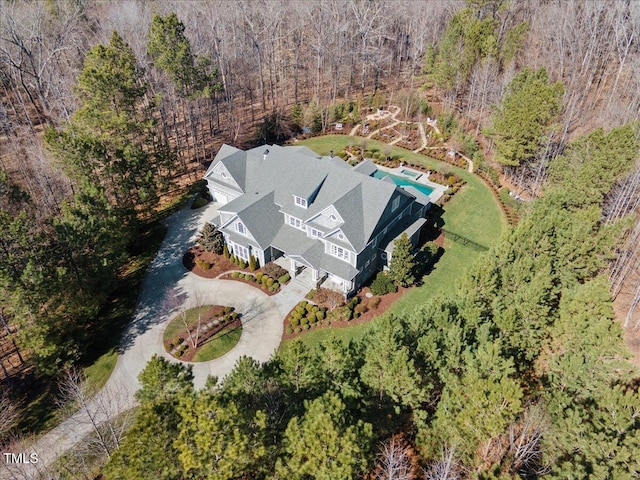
(526, 116)
(324, 444)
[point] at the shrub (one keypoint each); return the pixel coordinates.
(264, 279)
(242, 263)
(233, 259)
(308, 307)
(253, 263)
(307, 326)
(275, 286)
(289, 330)
(304, 321)
(362, 308)
(284, 278)
(382, 284)
(374, 303)
(273, 270)
(269, 282)
(311, 294)
(319, 315)
(225, 251)
(294, 320)
(259, 276)
(235, 274)
(211, 239)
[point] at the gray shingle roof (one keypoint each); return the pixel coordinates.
(360, 199)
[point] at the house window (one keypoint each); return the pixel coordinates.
(240, 228)
(340, 252)
(395, 204)
(241, 252)
(368, 263)
(316, 233)
(301, 202)
(297, 223)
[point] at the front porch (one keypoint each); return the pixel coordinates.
(312, 277)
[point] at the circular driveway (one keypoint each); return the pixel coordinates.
(167, 278)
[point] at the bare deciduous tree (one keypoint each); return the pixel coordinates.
(444, 469)
(103, 416)
(394, 463)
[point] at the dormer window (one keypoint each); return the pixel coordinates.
(301, 202)
(240, 228)
(395, 204)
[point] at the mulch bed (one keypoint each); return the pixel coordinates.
(385, 302)
(257, 285)
(220, 263)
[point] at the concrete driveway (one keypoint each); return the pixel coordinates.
(262, 318)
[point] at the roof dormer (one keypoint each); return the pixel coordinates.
(300, 202)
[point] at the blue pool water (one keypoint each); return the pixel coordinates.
(403, 182)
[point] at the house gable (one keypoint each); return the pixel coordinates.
(329, 218)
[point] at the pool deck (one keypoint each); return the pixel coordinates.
(422, 178)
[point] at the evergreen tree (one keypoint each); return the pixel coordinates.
(324, 444)
(388, 368)
(111, 140)
(526, 116)
(148, 450)
(403, 262)
(220, 441)
(211, 239)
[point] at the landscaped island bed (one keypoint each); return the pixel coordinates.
(202, 333)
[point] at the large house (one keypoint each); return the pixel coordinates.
(319, 212)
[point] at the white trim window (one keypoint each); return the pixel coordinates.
(301, 202)
(341, 253)
(242, 252)
(297, 223)
(316, 233)
(395, 204)
(240, 228)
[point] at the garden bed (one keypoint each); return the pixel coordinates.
(206, 264)
(202, 326)
(259, 279)
(360, 309)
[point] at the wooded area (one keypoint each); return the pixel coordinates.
(110, 109)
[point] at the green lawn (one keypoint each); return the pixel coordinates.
(472, 215)
(176, 326)
(219, 344)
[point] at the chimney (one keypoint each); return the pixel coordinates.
(265, 153)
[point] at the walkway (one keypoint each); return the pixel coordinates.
(423, 135)
(262, 318)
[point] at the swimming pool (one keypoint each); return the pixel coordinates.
(403, 182)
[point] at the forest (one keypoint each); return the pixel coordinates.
(112, 110)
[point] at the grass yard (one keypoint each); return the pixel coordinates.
(219, 344)
(473, 222)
